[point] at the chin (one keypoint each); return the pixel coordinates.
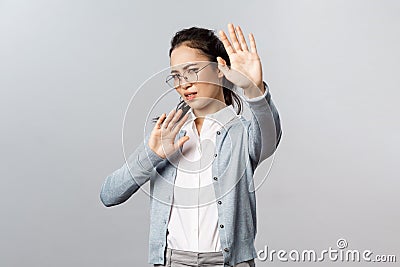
(202, 103)
(194, 104)
(198, 102)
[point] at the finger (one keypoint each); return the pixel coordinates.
(159, 121)
(168, 119)
(174, 119)
(181, 141)
(228, 47)
(179, 125)
(242, 40)
(233, 36)
(252, 43)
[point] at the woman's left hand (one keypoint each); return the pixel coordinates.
(245, 70)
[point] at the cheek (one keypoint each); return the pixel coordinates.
(179, 92)
(210, 79)
(209, 90)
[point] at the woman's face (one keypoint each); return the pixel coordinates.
(207, 92)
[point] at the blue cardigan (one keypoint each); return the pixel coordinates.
(240, 146)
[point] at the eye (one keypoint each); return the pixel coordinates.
(175, 76)
(191, 71)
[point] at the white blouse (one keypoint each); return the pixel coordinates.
(193, 222)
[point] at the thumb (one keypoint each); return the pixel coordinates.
(181, 141)
(222, 65)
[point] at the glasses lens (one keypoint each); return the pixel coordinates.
(190, 76)
(172, 81)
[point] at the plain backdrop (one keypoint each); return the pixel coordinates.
(68, 70)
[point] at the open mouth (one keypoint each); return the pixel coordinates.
(190, 96)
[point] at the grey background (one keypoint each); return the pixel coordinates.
(68, 70)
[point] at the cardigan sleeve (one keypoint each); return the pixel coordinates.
(265, 126)
(120, 185)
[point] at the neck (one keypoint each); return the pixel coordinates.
(201, 113)
(216, 104)
(209, 109)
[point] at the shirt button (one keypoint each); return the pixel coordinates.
(215, 155)
(218, 132)
(215, 178)
(221, 225)
(226, 249)
(219, 202)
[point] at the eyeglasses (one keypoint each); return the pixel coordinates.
(190, 76)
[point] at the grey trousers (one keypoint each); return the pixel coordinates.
(181, 258)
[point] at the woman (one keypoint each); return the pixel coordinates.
(201, 157)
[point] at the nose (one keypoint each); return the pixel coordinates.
(185, 84)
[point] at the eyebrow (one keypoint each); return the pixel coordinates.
(184, 68)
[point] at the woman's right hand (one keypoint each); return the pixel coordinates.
(162, 137)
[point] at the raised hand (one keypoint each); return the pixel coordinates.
(243, 61)
(162, 137)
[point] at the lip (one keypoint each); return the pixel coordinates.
(186, 94)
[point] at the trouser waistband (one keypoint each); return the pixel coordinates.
(190, 257)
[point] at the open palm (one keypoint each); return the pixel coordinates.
(245, 70)
(162, 137)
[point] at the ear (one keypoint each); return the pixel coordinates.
(221, 67)
(220, 74)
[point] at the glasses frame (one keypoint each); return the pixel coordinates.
(169, 77)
